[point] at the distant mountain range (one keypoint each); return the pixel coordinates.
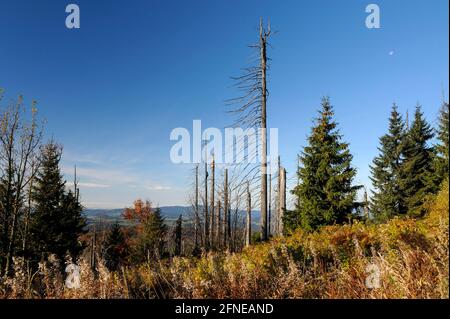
(169, 212)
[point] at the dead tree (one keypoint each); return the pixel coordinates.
(218, 223)
(205, 210)
(248, 232)
(278, 197)
(196, 212)
(252, 113)
(226, 216)
(263, 36)
(211, 214)
(282, 198)
(269, 201)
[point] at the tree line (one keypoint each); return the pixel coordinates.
(409, 167)
(38, 216)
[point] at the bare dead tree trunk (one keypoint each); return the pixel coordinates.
(282, 198)
(278, 197)
(248, 232)
(218, 223)
(225, 210)
(263, 43)
(269, 200)
(205, 209)
(252, 114)
(196, 217)
(211, 215)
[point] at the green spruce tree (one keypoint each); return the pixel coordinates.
(441, 162)
(417, 167)
(151, 240)
(325, 194)
(57, 220)
(388, 200)
(115, 248)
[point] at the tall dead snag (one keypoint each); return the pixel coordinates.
(251, 113)
(211, 214)
(269, 201)
(205, 211)
(226, 217)
(248, 229)
(278, 199)
(218, 221)
(196, 212)
(263, 36)
(282, 198)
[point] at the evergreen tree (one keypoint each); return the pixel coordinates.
(57, 219)
(115, 248)
(441, 162)
(387, 200)
(417, 168)
(150, 242)
(325, 194)
(177, 235)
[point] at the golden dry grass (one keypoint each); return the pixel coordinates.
(411, 256)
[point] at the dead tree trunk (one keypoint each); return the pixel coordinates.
(278, 200)
(282, 198)
(263, 43)
(248, 231)
(196, 217)
(205, 209)
(218, 221)
(269, 200)
(225, 210)
(211, 214)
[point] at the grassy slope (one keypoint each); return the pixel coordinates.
(411, 256)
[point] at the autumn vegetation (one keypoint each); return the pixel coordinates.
(335, 241)
(412, 256)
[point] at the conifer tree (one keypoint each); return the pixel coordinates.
(115, 248)
(387, 200)
(325, 194)
(441, 162)
(151, 239)
(57, 219)
(417, 168)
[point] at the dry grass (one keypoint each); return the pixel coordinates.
(412, 256)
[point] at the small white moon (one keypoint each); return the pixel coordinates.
(391, 52)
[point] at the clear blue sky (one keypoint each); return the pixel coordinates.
(112, 91)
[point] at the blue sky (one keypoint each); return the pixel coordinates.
(112, 91)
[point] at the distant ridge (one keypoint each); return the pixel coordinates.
(169, 212)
